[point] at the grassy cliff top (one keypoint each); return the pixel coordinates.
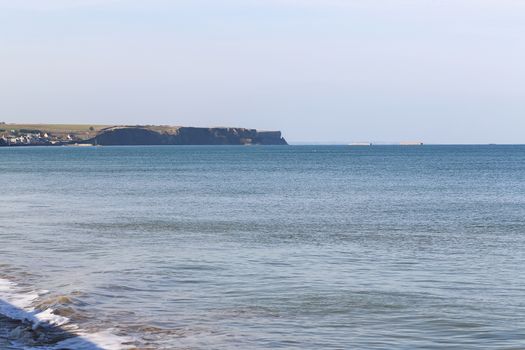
(54, 127)
(84, 131)
(60, 131)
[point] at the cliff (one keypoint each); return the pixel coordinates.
(154, 135)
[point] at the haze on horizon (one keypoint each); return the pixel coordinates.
(448, 71)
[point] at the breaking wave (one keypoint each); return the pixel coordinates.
(35, 321)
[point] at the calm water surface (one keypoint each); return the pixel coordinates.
(305, 247)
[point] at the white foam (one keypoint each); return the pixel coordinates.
(95, 341)
(16, 304)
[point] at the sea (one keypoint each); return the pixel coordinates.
(262, 247)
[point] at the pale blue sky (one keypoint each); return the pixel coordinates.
(319, 70)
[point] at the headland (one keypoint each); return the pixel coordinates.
(124, 135)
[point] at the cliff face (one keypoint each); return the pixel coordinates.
(186, 136)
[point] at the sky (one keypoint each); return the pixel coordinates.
(436, 71)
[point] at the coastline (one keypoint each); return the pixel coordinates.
(123, 135)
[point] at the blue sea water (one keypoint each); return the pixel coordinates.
(299, 247)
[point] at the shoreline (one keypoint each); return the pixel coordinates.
(23, 326)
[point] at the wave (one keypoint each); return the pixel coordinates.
(41, 327)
